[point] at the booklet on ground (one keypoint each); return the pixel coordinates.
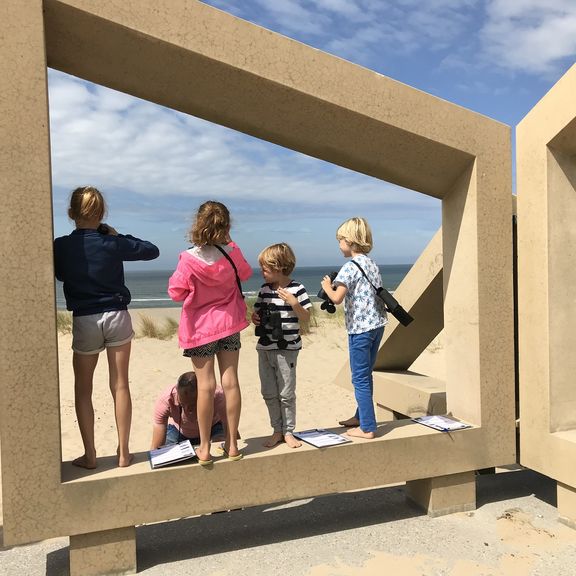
(442, 423)
(321, 438)
(166, 455)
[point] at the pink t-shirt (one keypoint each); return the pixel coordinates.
(169, 411)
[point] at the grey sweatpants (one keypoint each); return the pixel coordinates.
(278, 385)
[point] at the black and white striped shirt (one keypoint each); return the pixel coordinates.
(290, 323)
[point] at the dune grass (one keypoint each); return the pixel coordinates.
(148, 327)
(64, 322)
(167, 327)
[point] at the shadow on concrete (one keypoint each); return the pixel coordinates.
(515, 484)
(58, 562)
(190, 538)
(262, 525)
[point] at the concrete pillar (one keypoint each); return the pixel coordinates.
(566, 504)
(444, 494)
(105, 552)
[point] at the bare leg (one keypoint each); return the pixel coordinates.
(204, 368)
(118, 360)
(84, 366)
(228, 366)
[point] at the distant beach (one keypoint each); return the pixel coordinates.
(148, 287)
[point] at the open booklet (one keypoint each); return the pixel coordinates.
(442, 423)
(166, 455)
(321, 438)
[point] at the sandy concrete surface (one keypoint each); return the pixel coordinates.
(513, 532)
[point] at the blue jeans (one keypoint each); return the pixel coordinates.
(363, 350)
(173, 435)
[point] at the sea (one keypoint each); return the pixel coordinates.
(148, 288)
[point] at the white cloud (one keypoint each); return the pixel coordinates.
(361, 30)
(533, 36)
(125, 145)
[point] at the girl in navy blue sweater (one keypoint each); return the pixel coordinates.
(89, 262)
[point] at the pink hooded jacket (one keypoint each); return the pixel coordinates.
(213, 307)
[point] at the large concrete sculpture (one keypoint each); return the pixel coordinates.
(546, 165)
(187, 56)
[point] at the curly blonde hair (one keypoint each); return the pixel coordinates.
(211, 225)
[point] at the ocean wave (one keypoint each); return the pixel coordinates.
(151, 300)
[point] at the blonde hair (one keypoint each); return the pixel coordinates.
(357, 233)
(87, 203)
(211, 225)
(278, 257)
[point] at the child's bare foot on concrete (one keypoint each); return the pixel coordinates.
(359, 433)
(125, 461)
(292, 441)
(85, 462)
(276, 438)
(350, 423)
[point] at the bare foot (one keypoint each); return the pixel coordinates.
(292, 441)
(350, 423)
(359, 433)
(85, 462)
(125, 462)
(276, 438)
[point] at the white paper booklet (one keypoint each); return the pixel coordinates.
(171, 454)
(442, 423)
(321, 438)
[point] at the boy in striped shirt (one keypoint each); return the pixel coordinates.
(282, 304)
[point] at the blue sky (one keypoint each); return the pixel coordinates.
(155, 166)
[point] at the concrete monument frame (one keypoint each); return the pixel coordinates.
(193, 58)
(546, 167)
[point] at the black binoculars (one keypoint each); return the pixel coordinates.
(270, 328)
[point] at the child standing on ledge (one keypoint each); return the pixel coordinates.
(207, 281)
(281, 305)
(90, 263)
(365, 317)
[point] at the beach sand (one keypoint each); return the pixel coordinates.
(156, 363)
(514, 531)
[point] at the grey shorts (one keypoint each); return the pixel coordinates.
(93, 333)
(230, 344)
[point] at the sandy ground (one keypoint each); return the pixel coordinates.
(156, 363)
(513, 532)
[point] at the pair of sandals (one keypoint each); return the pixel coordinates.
(221, 452)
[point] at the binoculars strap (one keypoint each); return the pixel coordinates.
(364, 274)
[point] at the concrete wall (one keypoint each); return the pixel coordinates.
(546, 164)
(193, 58)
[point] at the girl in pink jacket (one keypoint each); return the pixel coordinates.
(207, 281)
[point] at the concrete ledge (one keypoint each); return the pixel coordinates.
(409, 394)
(403, 451)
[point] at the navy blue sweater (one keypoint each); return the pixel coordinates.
(91, 266)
